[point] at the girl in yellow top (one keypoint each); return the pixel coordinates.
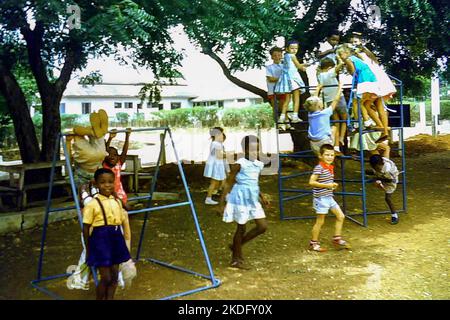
(106, 246)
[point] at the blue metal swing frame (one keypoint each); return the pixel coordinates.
(36, 283)
(300, 193)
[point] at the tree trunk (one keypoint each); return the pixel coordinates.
(23, 125)
(51, 125)
(299, 136)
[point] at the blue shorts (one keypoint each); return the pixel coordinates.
(323, 204)
(107, 247)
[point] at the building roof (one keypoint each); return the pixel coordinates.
(124, 90)
(228, 91)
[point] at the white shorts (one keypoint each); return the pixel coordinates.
(323, 204)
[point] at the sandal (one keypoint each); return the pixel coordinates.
(315, 246)
(340, 244)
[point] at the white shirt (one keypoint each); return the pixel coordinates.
(389, 171)
(328, 78)
(325, 46)
(273, 70)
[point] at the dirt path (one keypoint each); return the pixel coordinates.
(406, 261)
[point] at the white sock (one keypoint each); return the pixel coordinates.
(282, 118)
(368, 123)
(394, 215)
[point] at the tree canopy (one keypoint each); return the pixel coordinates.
(36, 36)
(36, 39)
(413, 34)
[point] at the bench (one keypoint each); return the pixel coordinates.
(17, 187)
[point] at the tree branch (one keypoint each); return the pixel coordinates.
(69, 65)
(245, 85)
(34, 39)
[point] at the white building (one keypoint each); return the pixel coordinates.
(123, 97)
(230, 96)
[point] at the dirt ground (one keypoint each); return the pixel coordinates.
(406, 261)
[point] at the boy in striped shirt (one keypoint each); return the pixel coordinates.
(322, 181)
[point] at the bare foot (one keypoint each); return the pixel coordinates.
(231, 247)
(239, 265)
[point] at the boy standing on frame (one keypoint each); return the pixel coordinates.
(273, 73)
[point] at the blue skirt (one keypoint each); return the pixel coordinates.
(107, 247)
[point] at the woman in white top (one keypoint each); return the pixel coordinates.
(216, 166)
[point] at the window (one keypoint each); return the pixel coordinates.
(139, 105)
(62, 108)
(220, 103)
(240, 100)
(175, 105)
(128, 105)
(117, 105)
(160, 106)
(85, 107)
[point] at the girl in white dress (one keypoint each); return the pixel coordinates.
(386, 88)
(244, 200)
(216, 166)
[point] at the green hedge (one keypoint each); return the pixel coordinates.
(445, 109)
(248, 117)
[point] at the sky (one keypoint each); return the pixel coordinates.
(201, 72)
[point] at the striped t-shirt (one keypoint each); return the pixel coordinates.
(325, 176)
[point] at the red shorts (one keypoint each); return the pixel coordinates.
(280, 98)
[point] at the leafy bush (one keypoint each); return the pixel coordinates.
(123, 118)
(69, 120)
(248, 117)
(415, 113)
(138, 120)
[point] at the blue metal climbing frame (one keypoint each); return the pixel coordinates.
(61, 138)
(285, 193)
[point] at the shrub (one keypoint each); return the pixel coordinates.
(69, 120)
(123, 118)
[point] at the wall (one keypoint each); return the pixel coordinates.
(73, 105)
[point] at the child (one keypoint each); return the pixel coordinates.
(367, 87)
(216, 166)
(386, 87)
(327, 48)
(273, 73)
(243, 202)
(290, 82)
(106, 245)
(114, 162)
(328, 76)
(322, 181)
(89, 153)
(319, 131)
(387, 173)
